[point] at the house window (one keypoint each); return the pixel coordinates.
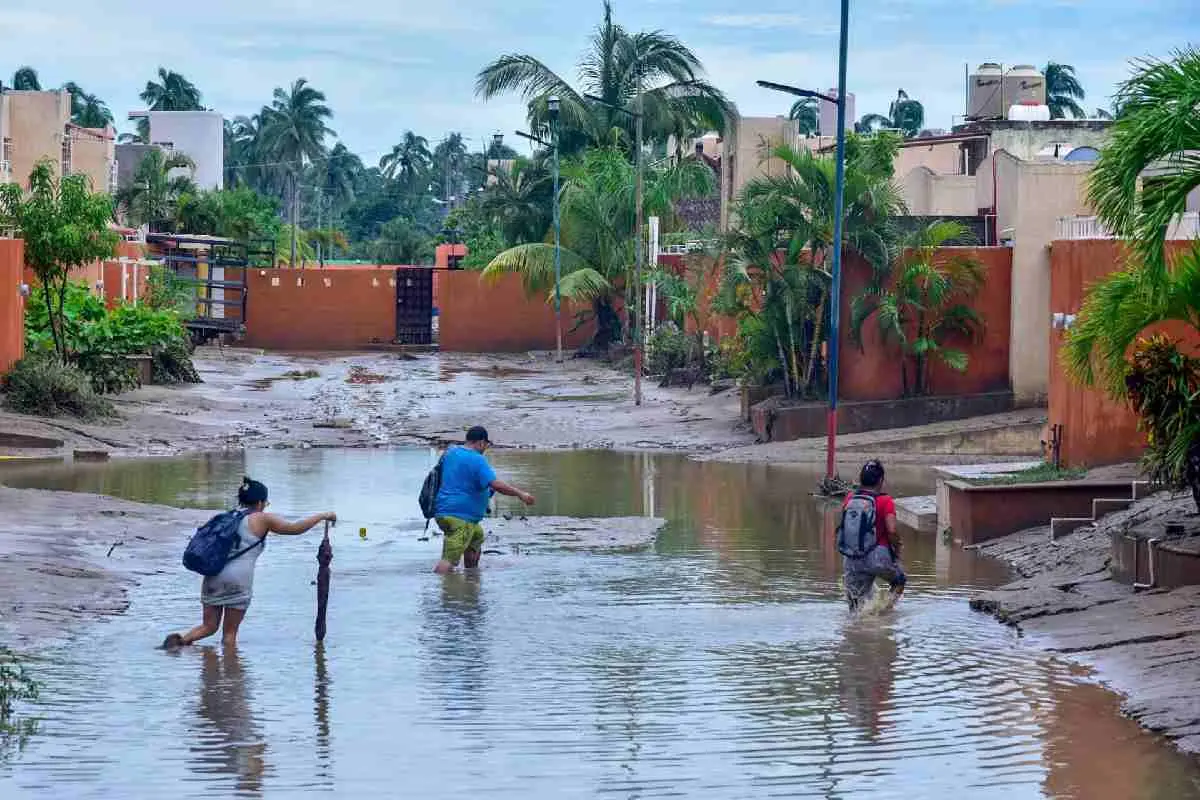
(66, 154)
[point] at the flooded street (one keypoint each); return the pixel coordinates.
(721, 663)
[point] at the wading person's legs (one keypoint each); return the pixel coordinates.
(207, 627)
(474, 548)
(456, 540)
(233, 620)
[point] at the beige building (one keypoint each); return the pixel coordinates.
(37, 125)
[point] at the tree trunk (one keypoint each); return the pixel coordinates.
(50, 316)
(783, 362)
(815, 347)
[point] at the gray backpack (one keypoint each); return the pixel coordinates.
(856, 533)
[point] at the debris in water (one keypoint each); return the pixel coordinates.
(360, 376)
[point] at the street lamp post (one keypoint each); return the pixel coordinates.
(553, 105)
(497, 143)
(635, 322)
(835, 301)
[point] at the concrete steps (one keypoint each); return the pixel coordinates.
(919, 513)
(1101, 506)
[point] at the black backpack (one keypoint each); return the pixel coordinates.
(429, 491)
(211, 546)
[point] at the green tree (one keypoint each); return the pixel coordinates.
(408, 159)
(1063, 91)
(782, 245)
(924, 302)
(239, 213)
(807, 114)
(400, 242)
(448, 167)
(1139, 184)
(520, 203)
(25, 79)
(87, 110)
(65, 225)
(171, 92)
(904, 114)
(598, 213)
(674, 94)
(293, 132)
(153, 196)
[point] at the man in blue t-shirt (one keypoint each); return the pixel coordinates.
(468, 482)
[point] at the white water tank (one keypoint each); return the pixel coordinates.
(984, 92)
(1029, 112)
(1024, 83)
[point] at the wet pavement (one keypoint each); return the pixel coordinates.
(720, 663)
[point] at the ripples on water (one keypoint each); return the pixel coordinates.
(721, 665)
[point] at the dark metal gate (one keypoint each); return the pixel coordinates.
(414, 305)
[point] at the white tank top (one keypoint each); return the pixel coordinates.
(234, 585)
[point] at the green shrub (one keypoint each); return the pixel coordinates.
(668, 348)
(729, 360)
(98, 340)
(41, 384)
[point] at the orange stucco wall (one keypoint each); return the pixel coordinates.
(1095, 429)
(478, 316)
(872, 372)
(12, 305)
(291, 309)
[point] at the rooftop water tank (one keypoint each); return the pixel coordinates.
(984, 92)
(1029, 112)
(1024, 84)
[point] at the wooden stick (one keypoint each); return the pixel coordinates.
(324, 556)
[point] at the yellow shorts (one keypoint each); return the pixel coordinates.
(460, 536)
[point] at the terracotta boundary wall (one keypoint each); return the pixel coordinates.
(12, 304)
(108, 273)
(314, 309)
(499, 316)
(1095, 429)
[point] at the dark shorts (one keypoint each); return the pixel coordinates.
(860, 574)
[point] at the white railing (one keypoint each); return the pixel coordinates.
(683, 249)
(1185, 226)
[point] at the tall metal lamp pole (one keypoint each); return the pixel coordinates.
(835, 301)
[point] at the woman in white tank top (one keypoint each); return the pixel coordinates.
(226, 596)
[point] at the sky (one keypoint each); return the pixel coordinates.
(388, 66)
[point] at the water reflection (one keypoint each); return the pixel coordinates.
(719, 664)
(228, 738)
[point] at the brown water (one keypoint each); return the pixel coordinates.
(721, 664)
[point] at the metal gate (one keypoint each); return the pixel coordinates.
(414, 305)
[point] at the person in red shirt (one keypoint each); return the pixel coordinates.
(883, 561)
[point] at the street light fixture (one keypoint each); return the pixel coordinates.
(636, 321)
(838, 210)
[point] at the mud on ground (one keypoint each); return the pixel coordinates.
(1145, 645)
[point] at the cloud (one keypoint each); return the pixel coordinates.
(768, 21)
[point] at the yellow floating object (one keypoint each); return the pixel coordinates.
(362, 533)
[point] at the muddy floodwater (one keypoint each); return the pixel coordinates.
(720, 663)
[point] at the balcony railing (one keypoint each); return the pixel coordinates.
(1185, 226)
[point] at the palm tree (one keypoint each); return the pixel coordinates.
(598, 212)
(408, 159)
(339, 175)
(172, 92)
(25, 79)
(153, 196)
(617, 67)
(1140, 182)
(519, 203)
(293, 133)
(87, 110)
(904, 114)
(923, 302)
(806, 112)
(449, 159)
(1063, 91)
(793, 215)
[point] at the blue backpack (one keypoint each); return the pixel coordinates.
(856, 532)
(211, 546)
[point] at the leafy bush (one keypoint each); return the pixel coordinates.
(43, 385)
(99, 341)
(1164, 390)
(729, 360)
(166, 291)
(668, 348)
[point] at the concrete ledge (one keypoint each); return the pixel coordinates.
(1149, 555)
(980, 513)
(25, 441)
(918, 513)
(1107, 505)
(777, 420)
